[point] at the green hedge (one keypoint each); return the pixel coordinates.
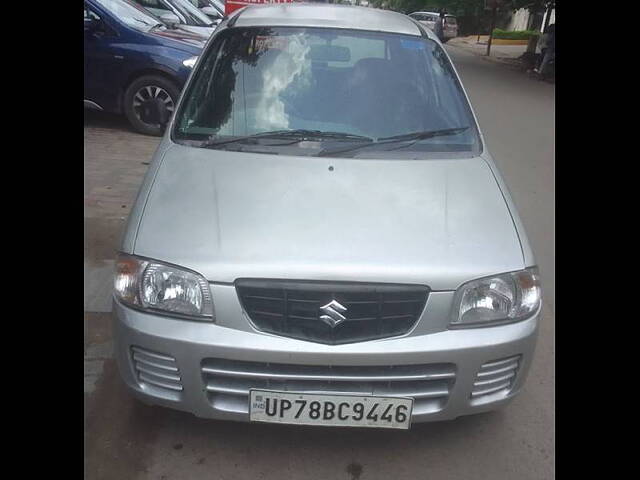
(515, 35)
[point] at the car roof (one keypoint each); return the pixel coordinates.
(327, 16)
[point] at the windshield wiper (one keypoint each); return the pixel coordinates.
(301, 133)
(423, 135)
(414, 137)
(141, 21)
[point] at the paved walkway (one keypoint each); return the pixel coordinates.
(115, 161)
(500, 53)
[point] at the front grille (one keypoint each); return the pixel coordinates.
(228, 382)
(294, 309)
(156, 370)
(496, 376)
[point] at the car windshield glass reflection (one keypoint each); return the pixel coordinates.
(191, 13)
(373, 85)
(133, 15)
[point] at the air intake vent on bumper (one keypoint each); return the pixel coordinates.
(156, 371)
(228, 382)
(496, 377)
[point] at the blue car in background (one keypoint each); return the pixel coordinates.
(133, 63)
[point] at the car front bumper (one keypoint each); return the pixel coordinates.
(148, 346)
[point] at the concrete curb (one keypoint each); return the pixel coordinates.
(503, 41)
(507, 61)
(473, 40)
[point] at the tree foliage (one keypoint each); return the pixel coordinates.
(460, 7)
(472, 16)
(534, 6)
(455, 7)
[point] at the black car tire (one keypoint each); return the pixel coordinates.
(444, 40)
(153, 82)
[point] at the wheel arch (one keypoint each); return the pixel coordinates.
(158, 70)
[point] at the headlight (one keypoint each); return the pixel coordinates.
(156, 286)
(190, 62)
(497, 299)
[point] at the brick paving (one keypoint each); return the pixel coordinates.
(115, 161)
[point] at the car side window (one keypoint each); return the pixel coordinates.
(90, 15)
(101, 27)
(199, 3)
(155, 6)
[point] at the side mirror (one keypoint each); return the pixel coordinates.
(170, 19)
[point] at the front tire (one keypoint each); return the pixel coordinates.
(146, 89)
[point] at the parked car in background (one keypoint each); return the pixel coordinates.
(449, 29)
(428, 19)
(133, 62)
(181, 13)
(322, 237)
(214, 9)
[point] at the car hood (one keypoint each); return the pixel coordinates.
(181, 39)
(231, 215)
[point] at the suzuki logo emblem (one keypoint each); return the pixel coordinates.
(332, 313)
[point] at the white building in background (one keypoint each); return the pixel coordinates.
(520, 19)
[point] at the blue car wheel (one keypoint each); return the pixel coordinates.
(141, 93)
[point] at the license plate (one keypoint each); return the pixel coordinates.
(330, 410)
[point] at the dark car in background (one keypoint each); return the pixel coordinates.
(181, 13)
(133, 63)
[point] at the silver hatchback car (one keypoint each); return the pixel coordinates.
(449, 28)
(322, 237)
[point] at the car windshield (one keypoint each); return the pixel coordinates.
(208, 3)
(392, 91)
(131, 14)
(191, 13)
(199, 3)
